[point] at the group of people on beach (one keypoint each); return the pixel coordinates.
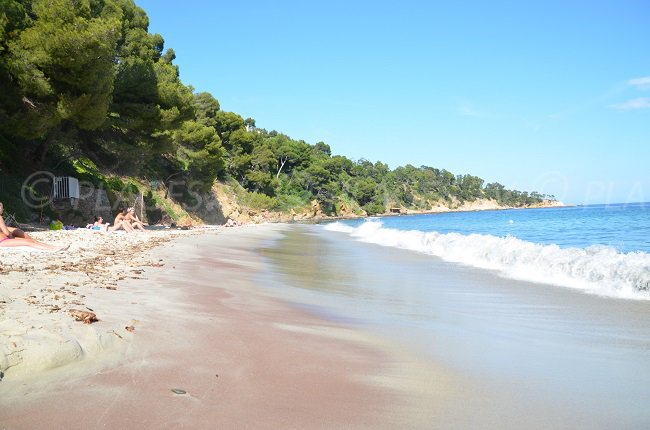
(126, 220)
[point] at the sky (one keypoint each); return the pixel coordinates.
(547, 96)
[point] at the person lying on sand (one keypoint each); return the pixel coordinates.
(98, 224)
(9, 240)
(132, 218)
(121, 222)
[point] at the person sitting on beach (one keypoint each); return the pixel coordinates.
(98, 224)
(132, 218)
(8, 239)
(121, 222)
(15, 231)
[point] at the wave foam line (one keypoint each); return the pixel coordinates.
(599, 270)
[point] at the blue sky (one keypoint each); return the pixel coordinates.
(548, 96)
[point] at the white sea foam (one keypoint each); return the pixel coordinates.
(597, 269)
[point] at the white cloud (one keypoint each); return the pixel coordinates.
(639, 103)
(640, 83)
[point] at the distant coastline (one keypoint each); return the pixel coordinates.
(314, 215)
(487, 205)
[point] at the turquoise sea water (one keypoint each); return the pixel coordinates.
(624, 227)
(543, 312)
(602, 249)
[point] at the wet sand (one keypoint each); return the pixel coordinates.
(513, 354)
(236, 357)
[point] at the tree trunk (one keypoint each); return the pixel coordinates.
(283, 161)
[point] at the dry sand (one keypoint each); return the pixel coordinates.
(39, 289)
(188, 317)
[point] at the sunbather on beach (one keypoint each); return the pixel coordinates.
(15, 231)
(121, 222)
(8, 239)
(133, 219)
(98, 224)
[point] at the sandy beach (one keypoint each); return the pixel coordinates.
(38, 290)
(184, 339)
(281, 326)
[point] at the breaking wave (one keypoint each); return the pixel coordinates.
(598, 269)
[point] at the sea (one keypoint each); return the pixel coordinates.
(542, 315)
(602, 249)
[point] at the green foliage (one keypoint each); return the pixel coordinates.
(10, 196)
(155, 203)
(207, 108)
(262, 182)
(118, 185)
(374, 208)
(199, 152)
(256, 201)
(63, 67)
(286, 202)
(87, 171)
(227, 123)
(364, 190)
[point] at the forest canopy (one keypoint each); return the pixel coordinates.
(84, 79)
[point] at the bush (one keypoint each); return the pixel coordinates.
(374, 208)
(257, 201)
(287, 202)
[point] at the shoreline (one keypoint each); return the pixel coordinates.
(239, 358)
(216, 317)
(515, 354)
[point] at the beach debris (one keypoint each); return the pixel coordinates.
(86, 317)
(178, 391)
(73, 302)
(129, 328)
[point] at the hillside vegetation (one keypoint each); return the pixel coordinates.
(88, 91)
